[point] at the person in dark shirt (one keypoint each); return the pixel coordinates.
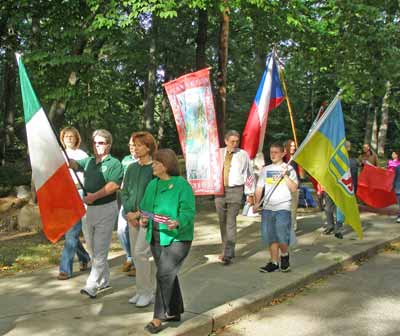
(103, 176)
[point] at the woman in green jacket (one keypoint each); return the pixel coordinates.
(168, 210)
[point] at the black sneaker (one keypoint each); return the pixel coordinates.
(339, 235)
(285, 265)
(268, 268)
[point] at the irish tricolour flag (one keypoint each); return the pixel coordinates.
(269, 96)
(59, 202)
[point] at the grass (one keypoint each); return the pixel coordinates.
(29, 252)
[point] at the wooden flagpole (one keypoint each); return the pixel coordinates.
(288, 104)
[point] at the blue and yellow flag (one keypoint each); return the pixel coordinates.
(324, 156)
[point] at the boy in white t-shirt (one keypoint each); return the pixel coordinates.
(276, 216)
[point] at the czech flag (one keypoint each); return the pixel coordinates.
(269, 95)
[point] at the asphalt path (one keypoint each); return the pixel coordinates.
(363, 300)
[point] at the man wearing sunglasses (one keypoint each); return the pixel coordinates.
(103, 176)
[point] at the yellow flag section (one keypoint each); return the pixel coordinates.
(324, 156)
(59, 202)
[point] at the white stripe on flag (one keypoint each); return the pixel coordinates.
(44, 150)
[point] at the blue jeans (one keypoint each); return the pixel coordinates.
(123, 235)
(72, 245)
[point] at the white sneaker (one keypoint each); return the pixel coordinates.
(144, 300)
(398, 219)
(92, 293)
(134, 299)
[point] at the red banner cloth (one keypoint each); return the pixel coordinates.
(192, 103)
(375, 187)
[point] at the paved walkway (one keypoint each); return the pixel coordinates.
(38, 304)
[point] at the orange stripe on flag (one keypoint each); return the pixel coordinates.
(60, 204)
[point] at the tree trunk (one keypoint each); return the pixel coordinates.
(222, 71)
(374, 136)
(201, 39)
(7, 104)
(149, 93)
(369, 120)
(384, 119)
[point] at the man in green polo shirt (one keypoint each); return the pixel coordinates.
(103, 176)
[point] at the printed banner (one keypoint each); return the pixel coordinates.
(192, 103)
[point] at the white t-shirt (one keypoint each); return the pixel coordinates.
(76, 154)
(281, 197)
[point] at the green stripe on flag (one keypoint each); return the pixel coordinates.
(29, 99)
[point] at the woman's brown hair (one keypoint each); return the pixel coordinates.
(146, 139)
(169, 159)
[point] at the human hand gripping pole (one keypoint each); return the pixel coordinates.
(267, 197)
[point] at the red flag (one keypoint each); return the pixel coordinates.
(269, 96)
(375, 187)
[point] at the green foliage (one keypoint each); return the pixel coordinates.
(324, 45)
(13, 174)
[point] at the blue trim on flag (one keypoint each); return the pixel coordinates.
(333, 127)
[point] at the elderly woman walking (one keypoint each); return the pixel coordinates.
(168, 210)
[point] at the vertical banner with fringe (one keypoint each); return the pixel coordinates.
(192, 104)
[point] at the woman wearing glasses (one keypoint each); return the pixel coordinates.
(103, 176)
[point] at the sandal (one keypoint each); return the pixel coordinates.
(152, 328)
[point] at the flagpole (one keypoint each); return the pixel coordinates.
(288, 104)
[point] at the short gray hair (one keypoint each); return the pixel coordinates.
(232, 133)
(103, 133)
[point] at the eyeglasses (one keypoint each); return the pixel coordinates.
(101, 143)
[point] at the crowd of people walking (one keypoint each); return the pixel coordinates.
(155, 222)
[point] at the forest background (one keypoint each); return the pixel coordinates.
(101, 64)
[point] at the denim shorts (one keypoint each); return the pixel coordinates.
(276, 226)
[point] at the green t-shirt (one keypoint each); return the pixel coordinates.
(126, 161)
(136, 179)
(97, 175)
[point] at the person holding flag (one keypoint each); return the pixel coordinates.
(280, 181)
(103, 176)
(71, 140)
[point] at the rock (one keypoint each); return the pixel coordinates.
(28, 218)
(23, 192)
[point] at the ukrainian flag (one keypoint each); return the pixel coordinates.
(324, 156)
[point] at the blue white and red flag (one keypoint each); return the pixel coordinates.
(269, 96)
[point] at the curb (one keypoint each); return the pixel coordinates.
(216, 318)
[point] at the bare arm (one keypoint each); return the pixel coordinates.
(108, 189)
